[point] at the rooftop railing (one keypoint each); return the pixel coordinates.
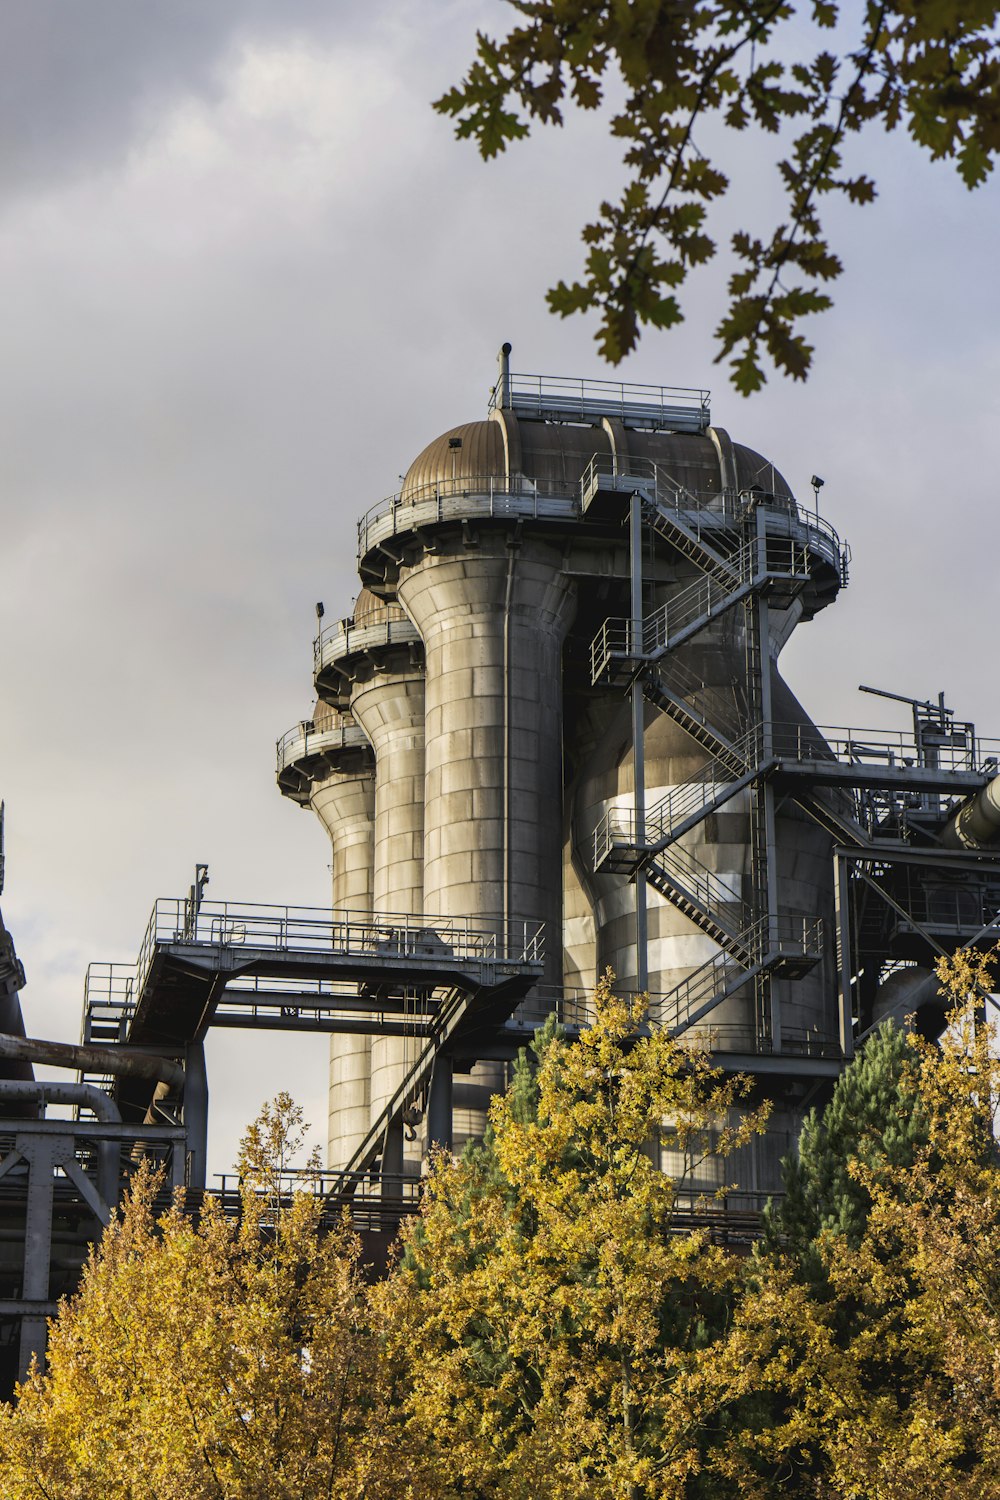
(486, 496)
(346, 638)
(567, 399)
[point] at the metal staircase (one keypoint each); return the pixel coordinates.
(688, 529)
(793, 948)
(702, 896)
(704, 712)
(752, 550)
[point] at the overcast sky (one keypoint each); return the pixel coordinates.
(247, 275)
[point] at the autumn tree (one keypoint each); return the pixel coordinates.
(676, 82)
(554, 1327)
(886, 1383)
(211, 1358)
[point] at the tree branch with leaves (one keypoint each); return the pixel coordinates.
(667, 75)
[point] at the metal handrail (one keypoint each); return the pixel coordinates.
(801, 743)
(345, 638)
(526, 497)
(806, 742)
(714, 895)
(786, 935)
(585, 398)
(305, 739)
(294, 929)
(719, 506)
(480, 496)
(700, 600)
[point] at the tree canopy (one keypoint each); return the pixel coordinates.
(212, 1358)
(556, 1327)
(876, 1115)
(674, 81)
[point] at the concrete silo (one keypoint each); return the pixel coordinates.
(325, 763)
(564, 659)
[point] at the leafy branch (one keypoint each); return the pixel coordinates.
(935, 66)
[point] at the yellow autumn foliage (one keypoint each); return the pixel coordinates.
(210, 1360)
(555, 1326)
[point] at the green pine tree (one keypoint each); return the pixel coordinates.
(873, 1116)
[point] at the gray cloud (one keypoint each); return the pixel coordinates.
(83, 78)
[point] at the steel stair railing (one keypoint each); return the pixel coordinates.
(682, 807)
(708, 715)
(792, 942)
(685, 805)
(688, 612)
(687, 529)
(452, 1011)
(704, 898)
(697, 995)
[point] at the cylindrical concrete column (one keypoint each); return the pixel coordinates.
(344, 802)
(493, 617)
(388, 703)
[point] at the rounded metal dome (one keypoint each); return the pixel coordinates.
(557, 453)
(474, 450)
(369, 609)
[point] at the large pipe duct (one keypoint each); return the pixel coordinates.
(44, 1091)
(120, 1061)
(977, 822)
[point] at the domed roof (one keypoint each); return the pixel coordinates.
(475, 450)
(558, 453)
(369, 609)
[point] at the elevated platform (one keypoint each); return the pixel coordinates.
(340, 649)
(556, 398)
(301, 967)
(307, 753)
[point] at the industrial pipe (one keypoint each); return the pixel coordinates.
(977, 822)
(43, 1091)
(115, 1060)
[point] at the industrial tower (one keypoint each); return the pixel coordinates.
(557, 700)
(551, 739)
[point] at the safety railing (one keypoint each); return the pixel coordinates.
(306, 740)
(452, 941)
(676, 408)
(476, 497)
(697, 603)
(713, 979)
(711, 706)
(346, 638)
(717, 508)
(886, 747)
(715, 896)
(678, 804)
(762, 746)
(766, 941)
(795, 1042)
(373, 1200)
(617, 827)
(573, 1008)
